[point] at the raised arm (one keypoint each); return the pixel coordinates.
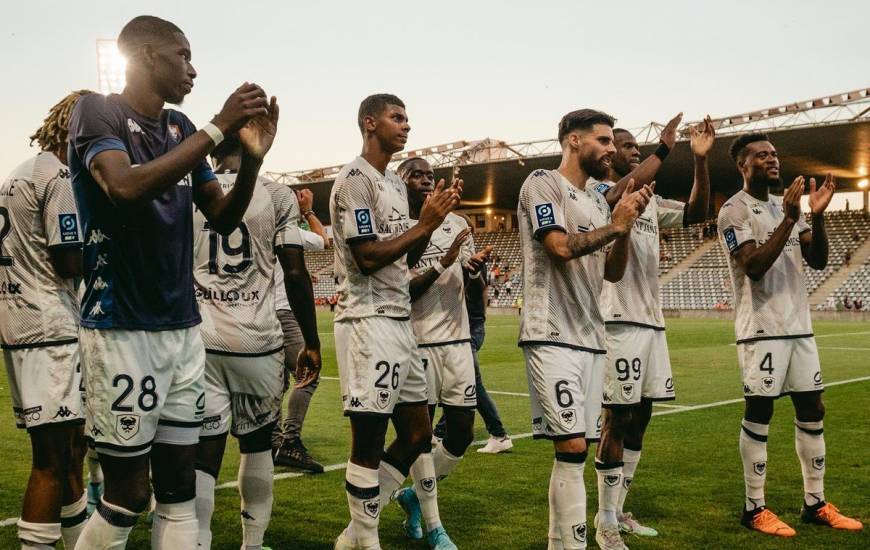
(416, 252)
(306, 212)
(421, 283)
(814, 244)
(701, 140)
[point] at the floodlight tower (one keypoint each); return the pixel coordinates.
(110, 66)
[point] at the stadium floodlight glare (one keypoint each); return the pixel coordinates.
(863, 184)
(111, 66)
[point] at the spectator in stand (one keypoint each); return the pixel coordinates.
(847, 257)
(847, 303)
(858, 304)
(855, 236)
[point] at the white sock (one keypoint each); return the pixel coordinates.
(255, 487)
(554, 541)
(361, 485)
(609, 485)
(753, 453)
(174, 525)
(389, 480)
(72, 521)
(204, 507)
(107, 528)
(444, 462)
(809, 442)
(423, 473)
(630, 458)
(569, 497)
(38, 536)
(95, 472)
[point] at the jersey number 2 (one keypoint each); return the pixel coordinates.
(5, 261)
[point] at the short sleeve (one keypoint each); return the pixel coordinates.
(356, 203)
(467, 250)
(311, 240)
(802, 226)
(94, 127)
(671, 213)
(542, 200)
(734, 227)
(59, 215)
(203, 172)
(287, 232)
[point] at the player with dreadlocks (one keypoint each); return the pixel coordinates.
(40, 255)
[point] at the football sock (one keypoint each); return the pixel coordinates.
(444, 462)
(255, 488)
(108, 528)
(569, 497)
(423, 473)
(553, 536)
(72, 521)
(38, 536)
(630, 458)
(174, 525)
(363, 500)
(609, 485)
(809, 442)
(753, 453)
(391, 475)
(204, 507)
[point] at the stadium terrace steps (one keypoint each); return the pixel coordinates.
(839, 277)
(687, 262)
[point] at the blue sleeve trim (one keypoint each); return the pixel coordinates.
(105, 144)
(202, 174)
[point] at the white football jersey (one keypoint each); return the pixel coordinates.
(234, 274)
(310, 241)
(37, 212)
(367, 205)
(636, 298)
(561, 299)
(776, 306)
(439, 315)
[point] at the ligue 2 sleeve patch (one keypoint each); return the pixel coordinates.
(730, 238)
(69, 228)
(602, 188)
(363, 221)
(544, 213)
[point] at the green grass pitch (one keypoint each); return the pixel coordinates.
(689, 484)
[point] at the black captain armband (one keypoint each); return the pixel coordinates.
(662, 150)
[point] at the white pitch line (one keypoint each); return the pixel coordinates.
(842, 334)
(515, 394)
(669, 406)
(844, 349)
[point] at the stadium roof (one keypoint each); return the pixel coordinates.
(827, 134)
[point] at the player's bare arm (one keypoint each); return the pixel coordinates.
(306, 212)
(66, 262)
(225, 211)
(756, 260)
(416, 252)
(125, 184)
(701, 139)
(474, 282)
(814, 244)
(300, 294)
(646, 171)
(564, 247)
(421, 283)
(372, 255)
(627, 210)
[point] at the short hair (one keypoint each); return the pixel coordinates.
(231, 145)
(403, 166)
(143, 30)
(623, 131)
(738, 146)
(583, 119)
(374, 105)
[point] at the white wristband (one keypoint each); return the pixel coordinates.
(214, 133)
(474, 274)
(438, 267)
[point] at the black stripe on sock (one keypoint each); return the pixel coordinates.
(362, 493)
(608, 465)
(113, 517)
(810, 431)
(72, 521)
(573, 458)
(405, 469)
(753, 435)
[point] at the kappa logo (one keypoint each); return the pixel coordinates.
(96, 432)
(133, 126)
(730, 238)
(572, 195)
(363, 221)
(127, 425)
(246, 515)
(606, 398)
(97, 236)
(579, 532)
(767, 384)
(544, 213)
(539, 173)
(372, 508)
(101, 261)
(355, 403)
(746, 389)
(428, 484)
(64, 412)
(354, 172)
(97, 310)
(383, 398)
(568, 418)
(612, 480)
(69, 227)
(100, 284)
(819, 462)
(627, 390)
(759, 468)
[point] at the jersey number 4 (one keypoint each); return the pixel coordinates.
(243, 250)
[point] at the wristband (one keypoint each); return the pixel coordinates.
(307, 213)
(439, 267)
(662, 150)
(214, 133)
(474, 275)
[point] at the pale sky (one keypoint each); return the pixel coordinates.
(466, 69)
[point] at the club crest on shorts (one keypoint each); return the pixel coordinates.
(383, 398)
(767, 384)
(579, 532)
(127, 425)
(627, 390)
(759, 468)
(428, 484)
(568, 417)
(819, 462)
(612, 480)
(372, 508)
